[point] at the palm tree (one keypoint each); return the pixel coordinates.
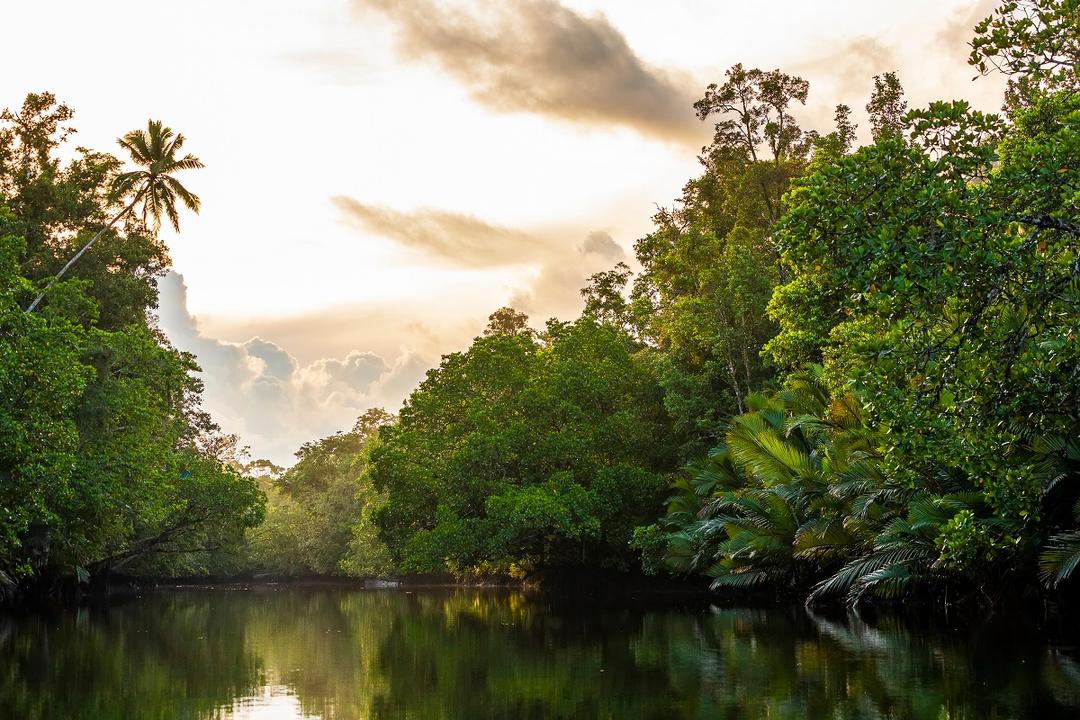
(1060, 558)
(155, 150)
(796, 490)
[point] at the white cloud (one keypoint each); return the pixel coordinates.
(258, 390)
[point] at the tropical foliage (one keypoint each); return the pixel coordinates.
(926, 439)
(866, 358)
(526, 451)
(879, 345)
(106, 461)
(318, 515)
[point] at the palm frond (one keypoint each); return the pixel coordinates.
(1060, 559)
(889, 583)
(124, 185)
(137, 144)
(191, 200)
(847, 578)
(821, 538)
(765, 455)
(188, 162)
(744, 580)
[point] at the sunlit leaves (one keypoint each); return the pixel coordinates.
(526, 452)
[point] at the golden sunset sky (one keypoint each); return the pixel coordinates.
(380, 176)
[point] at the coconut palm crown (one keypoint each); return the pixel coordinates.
(155, 150)
(152, 189)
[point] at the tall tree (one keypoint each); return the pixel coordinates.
(526, 453)
(756, 132)
(507, 321)
(710, 265)
(887, 106)
(604, 297)
(155, 150)
(107, 460)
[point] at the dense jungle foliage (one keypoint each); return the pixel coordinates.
(922, 436)
(319, 511)
(529, 450)
(867, 359)
(842, 372)
(107, 463)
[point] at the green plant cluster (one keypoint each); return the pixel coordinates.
(107, 463)
(528, 451)
(866, 361)
(880, 345)
(319, 511)
(926, 436)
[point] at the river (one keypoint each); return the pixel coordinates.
(290, 652)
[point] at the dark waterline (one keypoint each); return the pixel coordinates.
(467, 653)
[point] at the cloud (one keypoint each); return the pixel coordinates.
(843, 74)
(540, 57)
(556, 289)
(602, 244)
(561, 267)
(275, 403)
(356, 373)
(259, 390)
(853, 65)
(271, 361)
(381, 327)
(466, 241)
(959, 30)
(454, 238)
(929, 69)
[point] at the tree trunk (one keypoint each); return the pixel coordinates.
(734, 382)
(67, 266)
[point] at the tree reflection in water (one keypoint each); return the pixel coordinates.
(345, 655)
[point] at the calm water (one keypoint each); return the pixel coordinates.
(466, 654)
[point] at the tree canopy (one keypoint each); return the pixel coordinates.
(526, 451)
(934, 275)
(837, 371)
(107, 461)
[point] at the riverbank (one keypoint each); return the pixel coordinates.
(589, 586)
(575, 587)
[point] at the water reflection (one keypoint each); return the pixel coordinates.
(337, 655)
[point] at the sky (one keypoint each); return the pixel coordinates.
(381, 175)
